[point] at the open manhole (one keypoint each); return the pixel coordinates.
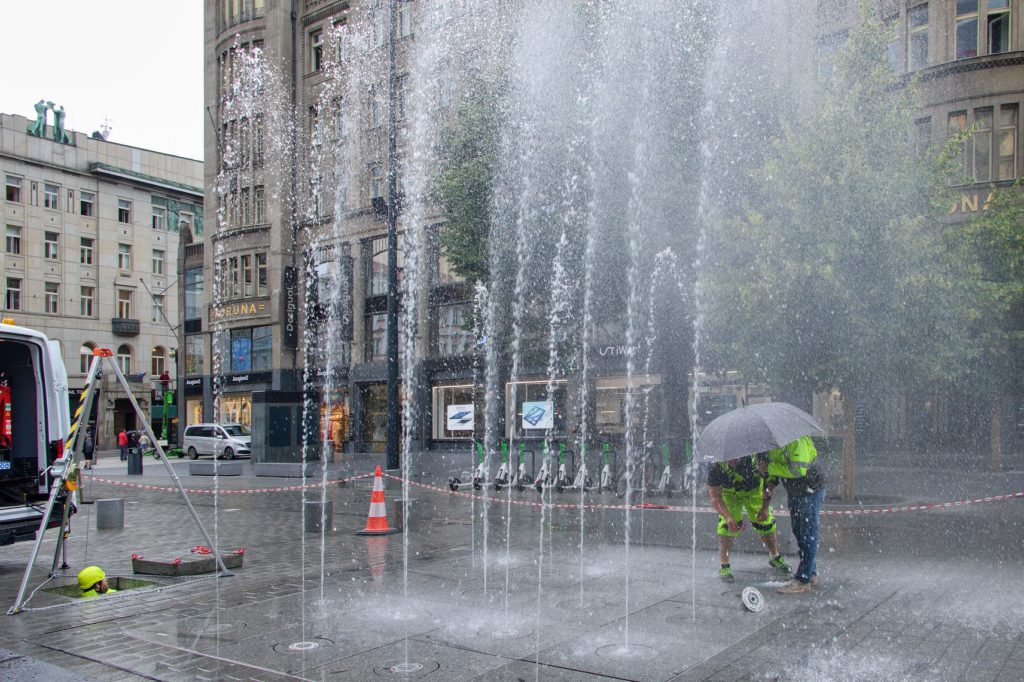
(115, 583)
(408, 669)
(304, 646)
(623, 652)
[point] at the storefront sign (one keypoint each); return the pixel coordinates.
(615, 351)
(973, 201)
(248, 378)
(193, 385)
(538, 415)
(290, 308)
(238, 311)
(460, 418)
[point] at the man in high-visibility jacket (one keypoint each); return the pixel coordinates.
(735, 486)
(92, 581)
(796, 466)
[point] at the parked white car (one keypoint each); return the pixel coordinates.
(224, 441)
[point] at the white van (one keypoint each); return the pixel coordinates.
(226, 441)
(34, 424)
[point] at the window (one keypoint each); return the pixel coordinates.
(892, 49)
(85, 300)
(376, 341)
(234, 282)
(51, 196)
(923, 135)
(85, 357)
(261, 274)
(52, 298)
(955, 124)
(997, 26)
(262, 348)
(124, 304)
(453, 336)
(316, 50)
(13, 300)
(158, 308)
(257, 135)
(158, 262)
(184, 221)
(159, 218)
(918, 19)
(404, 26)
(85, 251)
(525, 392)
(966, 29)
(376, 182)
(124, 358)
(158, 361)
(456, 397)
(13, 188)
(243, 207)
(71, 201)
(247, 279)
(124, 211)
(380, 23)
(402, 97)
(252, 349)
(124, 256)
(1006, 145)
(259, 206)
(14, 240)
(377, 268)
(983, 145)
(87, 203)
(51, 246)
(35, 194)
(257, 9)
(194, 293)
(376, 108)
(194, 354)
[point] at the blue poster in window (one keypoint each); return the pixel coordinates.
(241, 355)
(538, 415)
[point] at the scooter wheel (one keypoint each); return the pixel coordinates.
(453, 483)
(476, 485)
(497, 487)
(539, 485)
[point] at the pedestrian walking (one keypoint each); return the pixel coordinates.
(736, 486)
(88, 449)
(796, 467)
(122, 444)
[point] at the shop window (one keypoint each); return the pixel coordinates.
(375, 417)
(1006, 150)
(236, 409)
(610, 402)
(193, 411)
(453, 335)
(262, 348)
(454, 412)
(532, 412)
(334, 419)
(241, 350)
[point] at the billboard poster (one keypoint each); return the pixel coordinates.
(460, 418)
(538, 415)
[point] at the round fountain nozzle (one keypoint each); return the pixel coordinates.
(752, 599)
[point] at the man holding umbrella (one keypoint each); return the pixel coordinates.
(781, 431)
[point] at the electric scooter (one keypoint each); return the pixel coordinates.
(607, 481)
(665, 484)
(562, 478)
(478, 477)
(543, 479)
(521, 478)
(501, 478)
(582, 480)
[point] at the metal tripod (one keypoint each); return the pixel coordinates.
(66, 468)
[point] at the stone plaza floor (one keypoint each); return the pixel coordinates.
(915, 595)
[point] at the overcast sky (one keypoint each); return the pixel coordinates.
(135, 63)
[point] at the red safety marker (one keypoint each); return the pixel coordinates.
(377, 521)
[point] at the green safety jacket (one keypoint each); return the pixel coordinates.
(93, 593)
(792, 460)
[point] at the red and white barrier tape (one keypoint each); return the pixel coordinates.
(226, 491)
(709, 510)
(860, 511)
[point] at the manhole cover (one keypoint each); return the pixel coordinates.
(504, 632)
(623, 652)
(303, 646)
(408, 669)
(220, 628)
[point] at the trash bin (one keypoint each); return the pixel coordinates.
(135, 461)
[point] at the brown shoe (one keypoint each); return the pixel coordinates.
(794, 587)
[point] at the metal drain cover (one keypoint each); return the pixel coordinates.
(304, 647)
(408, 669)
(752, 599)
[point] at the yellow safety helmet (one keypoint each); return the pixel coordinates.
(89, 576)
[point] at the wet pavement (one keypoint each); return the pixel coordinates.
(914, 595)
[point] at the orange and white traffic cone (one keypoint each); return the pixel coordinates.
(377, 521)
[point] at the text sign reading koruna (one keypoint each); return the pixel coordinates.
(234, 311)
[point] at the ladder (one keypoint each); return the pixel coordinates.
(65, 472)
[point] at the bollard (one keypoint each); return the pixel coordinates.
(318, 516)
(402, 509)
(135, 461)
(110, 513)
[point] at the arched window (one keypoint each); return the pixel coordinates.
(159, 361)
(85, 356)
(124, 358)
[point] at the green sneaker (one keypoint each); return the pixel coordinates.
(725, 573)
(780, 565)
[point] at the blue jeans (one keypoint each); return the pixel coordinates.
(124, 452)
(803, 514)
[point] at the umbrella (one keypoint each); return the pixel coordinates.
(754, 428)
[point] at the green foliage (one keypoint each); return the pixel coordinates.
(836, 275)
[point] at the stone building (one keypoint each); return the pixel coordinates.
(91, 232)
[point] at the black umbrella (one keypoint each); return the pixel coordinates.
(754, 428)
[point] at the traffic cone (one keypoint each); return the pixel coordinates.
(377, 521)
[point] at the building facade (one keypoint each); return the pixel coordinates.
(91, 233)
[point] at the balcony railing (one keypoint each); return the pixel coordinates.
(123, 326)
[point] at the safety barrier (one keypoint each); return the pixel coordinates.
(860, 511)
